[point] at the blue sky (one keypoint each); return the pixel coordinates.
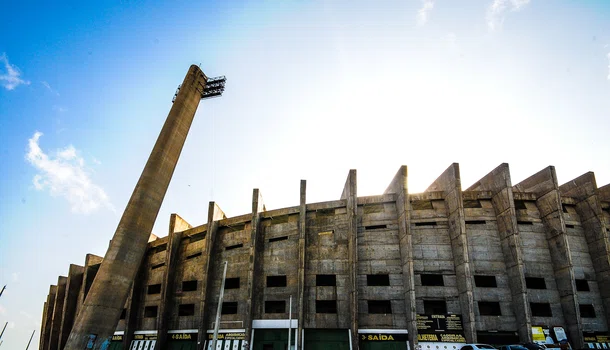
(314, 88)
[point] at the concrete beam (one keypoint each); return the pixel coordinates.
(351, 196)
(58, 313)
(399, 186)
(88, 276)
(498, 182)
(174, 237)
(604, 193)
(48, 321)
(450, 183)
(588, 206)
(544, 185)
(42, 324)
(302, 260)
(75, 282)
(255, 252)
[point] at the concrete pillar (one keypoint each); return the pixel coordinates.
(544, 185)
(256, 251)
(43, 324)
(399, 187)
(176, 226)
(45, 335)
(604, 193)
(588, 206)
(133, 305)
(498, 182)
(58, 312)
(302, 262)
(450, 183)
(204, 312)
(88, 276)
(350, 194)
(75, 281)
(110, 290)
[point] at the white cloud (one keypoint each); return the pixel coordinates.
(422, 14)
(64, 174)
(497, 11)
(11, 78)
(48, 86)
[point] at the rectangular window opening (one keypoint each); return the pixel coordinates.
(326, 280)
(161, 248)
(193, 256)
(154, 267)
(276, 281)
(564, 208)
(485, 281)
(326, 306)
(476, 222)
(569, 226)
(380, 307)
(189, 286)
(489, 308)
(232, 283)
(525, 222)
(186, 310)
(150, 311)
(154, 289)
(377, 280)
(123, 314)
(475, 203)
(582, 285)
(235, 246)
(420, 224)
(520, 205)
(197, 237)
(535, 283)
(435, 307)
(375, 227)
(275, 306)
(229, 308)
(277, 239)
(587, 311)
(541, 309)
(432, 280)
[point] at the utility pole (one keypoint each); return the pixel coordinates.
(3, 330)
(219, 309)
(26, 348)
(2, 291)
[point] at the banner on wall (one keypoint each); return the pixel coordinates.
(440, 328)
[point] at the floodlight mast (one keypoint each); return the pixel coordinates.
(100, 313)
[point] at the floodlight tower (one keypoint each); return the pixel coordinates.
(99, 316)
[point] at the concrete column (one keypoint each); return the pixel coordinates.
(214, 214)
(451, 185)
(256, 251)
(588, 206)
(604, 193)
(45, 336)
(176, 226)
(133, 305)
(302, 261)
(399, 187)
(498, 182)
(544, 185)
(43, 323)
(75, 281)
(88, 275)
(110, 290)
(350, 194)
(58, 313)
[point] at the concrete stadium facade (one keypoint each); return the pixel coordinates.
(495, 263)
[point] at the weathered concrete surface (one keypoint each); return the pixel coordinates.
(498, 182)
(104, 304)
(302, 259)
(350, 195)
(45, 334)
(75, 281)
(255, 252)
(58, 312)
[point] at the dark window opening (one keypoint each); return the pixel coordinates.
(279, 220)
(380, 307)
(582, 285)
(489, 308)
(418, 224)
(234, 246)
(275, 306)
(154, 289)
(326, 280)
(161, 248)
(123, 314)
(432, 280)
(189, 286)
(197, 237)
(91, 273)
(485, 281)
(535, 283)
(326, 306)
(564, 208)
(193, 256)
(277, 239)
(421, 205)
(476, 222)
(377, 280)
(229, 308)
(475, 203)
(232, 283)
(154, 267)
(587, 310)
(276, 281)
(375, 227)
(520, 205)
(435, 307)
(525, 222)
(186, 310)
(325, 212)
(541, 309)
(569, 226)
(150, 311)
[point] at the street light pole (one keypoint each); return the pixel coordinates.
(219, 309)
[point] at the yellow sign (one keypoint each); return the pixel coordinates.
(427, 337)
(183, 336)
(229, 336)
(377, 337)
(117, 338)
(538, 334)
